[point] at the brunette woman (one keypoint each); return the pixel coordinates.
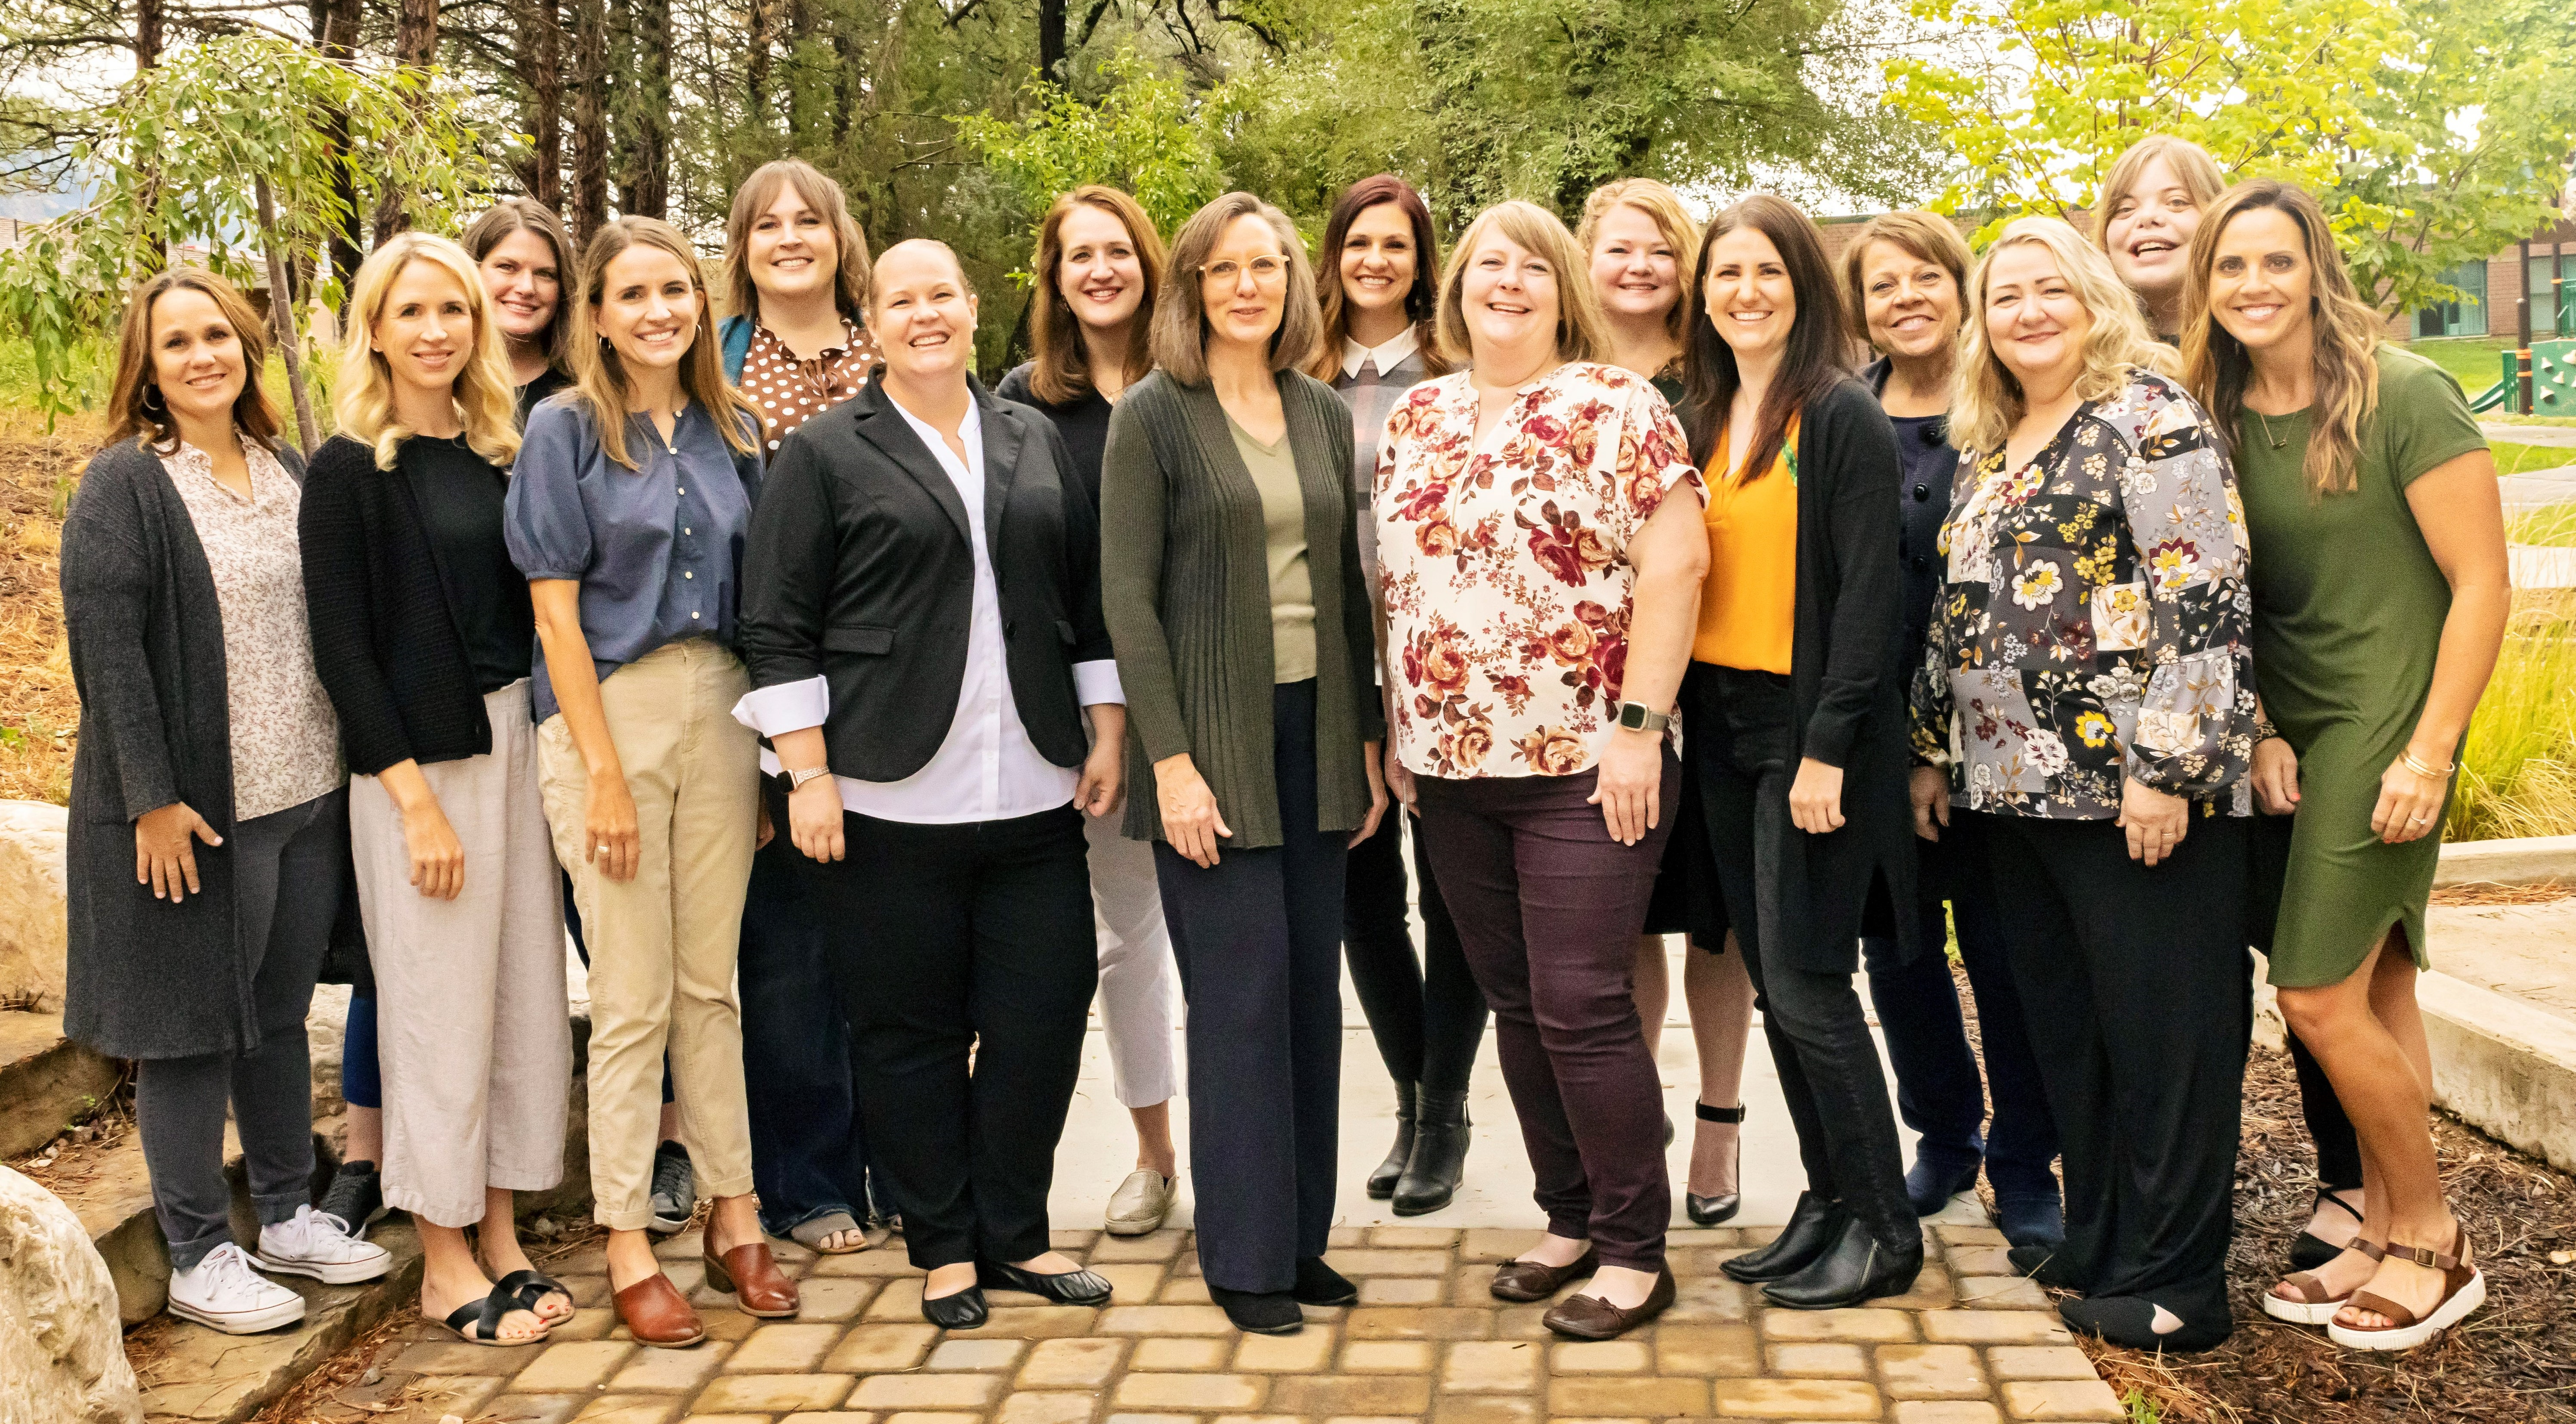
(1904, 275)
(1092, 328)
(1642, 246)
(525, 259)
(1797, 724)
(2369, 670)
(1379, 284)
(1546, 790)
(2086, 683)
(423, 635)
(1230, 571)
(626, 513)
(209, 837)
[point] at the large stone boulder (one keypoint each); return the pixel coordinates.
(31, 905)
(62, 1351)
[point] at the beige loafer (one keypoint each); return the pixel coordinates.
(1141, 1202)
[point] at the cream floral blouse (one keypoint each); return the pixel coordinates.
(1503, 565)
(2092, 620)
(286, 742)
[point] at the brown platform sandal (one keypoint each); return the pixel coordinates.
(2312, 1305)
(2464, 1289)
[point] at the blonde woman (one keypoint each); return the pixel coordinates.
(423, 636)
(2086, 684)
(2370, 669)
(2144, 220)
(627, 515)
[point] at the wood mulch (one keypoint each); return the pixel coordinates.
(38, 711)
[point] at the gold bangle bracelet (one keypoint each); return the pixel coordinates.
(2420, 769)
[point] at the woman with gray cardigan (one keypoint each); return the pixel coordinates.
(1230, 578)
(209, 837)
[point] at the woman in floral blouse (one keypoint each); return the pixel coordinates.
(2087, 686)
(1531, 584)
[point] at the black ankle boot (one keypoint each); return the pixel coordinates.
(1381, 1182)
(1863, 1263)
(1810, 1232)
(1440, 1133)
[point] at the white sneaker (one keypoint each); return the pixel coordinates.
(223, 1293)
(318, 1244)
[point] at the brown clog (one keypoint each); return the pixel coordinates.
(1589, 1317)
(1535, 1280)
(752, 1274)
(654, 1312)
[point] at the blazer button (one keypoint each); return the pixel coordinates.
(1920, 563)
(1922, 492)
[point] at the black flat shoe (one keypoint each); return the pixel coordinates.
(1319, 1284)
(1929, 1185)
(1856, 1268)
(1064, 1287)
(1809, 1234)
(1260, 1312)
(2193, 1320)
(1716, 1210)
(2045, 1264)
(1381, 1181)
(1440, 1132)
(965, 1310)
(2311, 1251)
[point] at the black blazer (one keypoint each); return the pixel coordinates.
(385, 639)
(858, 569)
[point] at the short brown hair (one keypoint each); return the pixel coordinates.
(1180, 318)
(528, 215)
(1929, 236)
(1535, 230)
(2190, 162)
(1063, 374)
(140, 410)
(822, 193)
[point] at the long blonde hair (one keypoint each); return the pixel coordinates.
(1989, 400)
(1580, 325)
(2346, 337)
(362, 397)
(1664, 208)
(599, 373)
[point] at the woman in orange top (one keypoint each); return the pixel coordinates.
(1794, 722)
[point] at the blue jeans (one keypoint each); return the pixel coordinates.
(808, 1154)
(1937, 1089)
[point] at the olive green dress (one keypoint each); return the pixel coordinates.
(2348, 612)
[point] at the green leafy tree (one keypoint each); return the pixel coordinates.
(1145, 134)
(2433, 132)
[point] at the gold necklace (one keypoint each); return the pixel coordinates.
(2277, 442)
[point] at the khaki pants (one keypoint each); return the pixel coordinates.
(470, 1014)
(662, 945)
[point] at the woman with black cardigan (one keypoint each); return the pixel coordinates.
(1796, 712)
(423, 634)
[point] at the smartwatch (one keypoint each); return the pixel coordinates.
(1634, 717)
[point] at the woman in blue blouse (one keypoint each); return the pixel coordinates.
(627, 513)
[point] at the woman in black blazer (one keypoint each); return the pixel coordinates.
(922, 622)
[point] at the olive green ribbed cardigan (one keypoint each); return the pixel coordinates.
(1185, 581)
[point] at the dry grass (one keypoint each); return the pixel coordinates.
(38, 711)
(2518, 771)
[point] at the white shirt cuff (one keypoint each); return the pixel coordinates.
(1094, 683)
(787, 707)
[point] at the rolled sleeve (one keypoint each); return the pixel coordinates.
(1096, 684)
(789, 707)
(544, 522)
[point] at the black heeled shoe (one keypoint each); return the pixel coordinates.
(1710, 1211)
(1440, 1135)
(1860, 1265)
(1811, 1231)
(1063, 1287)
(965, 1310)
(1381, 1181)
(1260, 1312)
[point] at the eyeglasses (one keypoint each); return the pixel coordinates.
(1265, 270)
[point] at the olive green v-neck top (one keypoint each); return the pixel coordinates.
(1292, 584)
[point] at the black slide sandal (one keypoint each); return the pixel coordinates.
(528, 1287)
(485, 1316)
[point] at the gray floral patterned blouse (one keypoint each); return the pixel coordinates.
(2092, 620)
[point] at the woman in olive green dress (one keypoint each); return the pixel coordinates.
(2380, 596)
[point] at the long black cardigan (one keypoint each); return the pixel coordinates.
(1848, 694)
(148, 978)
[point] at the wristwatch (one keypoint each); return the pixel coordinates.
(797, 777)
(1636, 718)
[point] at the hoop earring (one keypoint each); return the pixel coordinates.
(152, 402)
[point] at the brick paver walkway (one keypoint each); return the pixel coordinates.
(1971, 1345)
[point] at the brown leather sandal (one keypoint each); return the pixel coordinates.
(2312, 1306)
(2464, 1289)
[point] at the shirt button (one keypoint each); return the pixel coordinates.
(1922, 491)
(684, 490)
(693, 613)
(1919, 564)
(684, 573)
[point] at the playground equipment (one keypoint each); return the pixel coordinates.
(2551, 367)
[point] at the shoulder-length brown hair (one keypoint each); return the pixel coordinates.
(822, 193)
(140, 411)
(1534, 230)
(1927, 237)
(1816, 355)
(1063, 366)
(1988, 400)
(1421, 300)
(2346, 340)
(1663, 207)
(599, 374)
(1180, 317)
(528, 215)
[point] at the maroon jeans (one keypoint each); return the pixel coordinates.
(1549, 908)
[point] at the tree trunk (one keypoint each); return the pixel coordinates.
(281, 317)
(541, 70)
(589, 120)
(415, 50)
(644, 111)
(339, 41)
(147, 55)
(762, 19)
(1051, 41)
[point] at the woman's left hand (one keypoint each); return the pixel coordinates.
(1103, 787)
(1630, 773)
(2410, 805)
(1377, 794)
(2156, 821)
(1816, 797)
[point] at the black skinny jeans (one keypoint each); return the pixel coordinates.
(1426, 1014)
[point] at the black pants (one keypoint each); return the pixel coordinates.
(1427, 1015)
(808, 1154)
(2133, 981)
(1740, 749)
(1258, 940)
(953, 945)
(1939, 1092)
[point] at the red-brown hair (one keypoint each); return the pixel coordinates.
(1063, 371)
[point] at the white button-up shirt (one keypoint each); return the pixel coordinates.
(987, 768)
